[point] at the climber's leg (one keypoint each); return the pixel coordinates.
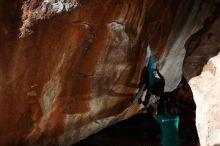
(147, 98)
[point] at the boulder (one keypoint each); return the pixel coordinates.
(69, 68)
(202, 69)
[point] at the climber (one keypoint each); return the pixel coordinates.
(155, 88)
(158, 86)
(147, 74)
(168, 119)
(154, 85)
(147, 78)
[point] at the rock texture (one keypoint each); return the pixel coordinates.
(202, 68)
(69, 68)
(206, 94)
(191, 17)
(201, 64)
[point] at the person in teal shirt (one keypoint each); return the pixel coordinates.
(168, 120)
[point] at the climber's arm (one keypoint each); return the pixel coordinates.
(160, 75)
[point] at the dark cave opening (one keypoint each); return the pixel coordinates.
(143, 130)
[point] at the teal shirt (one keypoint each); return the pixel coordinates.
(169, 128)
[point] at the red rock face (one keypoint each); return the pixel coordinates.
(69, 68)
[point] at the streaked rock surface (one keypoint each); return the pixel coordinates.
(69, 68)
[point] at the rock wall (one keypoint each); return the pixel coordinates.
(194, 43)
(69, 68)
(190, 19)
(202, 68)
